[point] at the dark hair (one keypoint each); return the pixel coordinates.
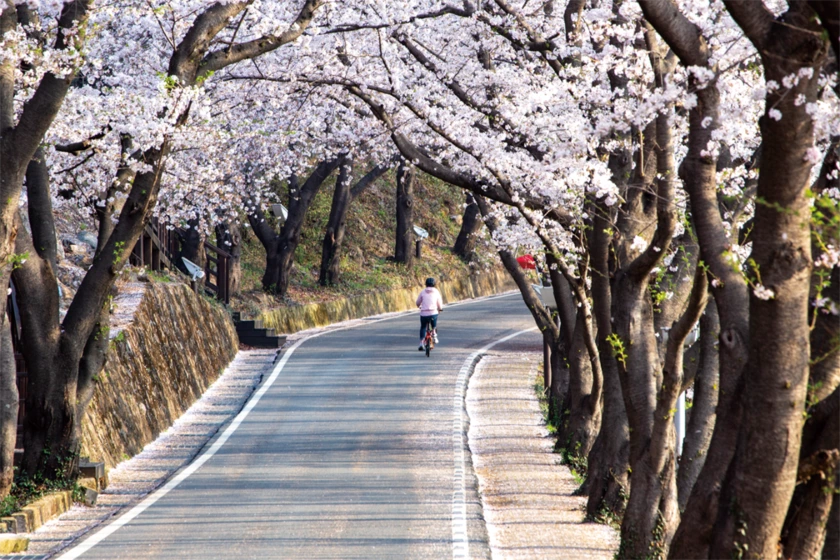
(430, 282)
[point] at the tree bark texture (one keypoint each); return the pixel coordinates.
(343, 196)
(19, 142)
(8, 401)
(558, 390)
(404, 247)
(470, 226)
(652, 512)
(191, 246)
(336, 225)
(580, 426)
(701, 422)
(608, 482)
(63, 358)
(698, 171)
(760, 482)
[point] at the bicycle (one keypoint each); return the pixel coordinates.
(429, 340)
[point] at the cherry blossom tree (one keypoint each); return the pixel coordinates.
(146, 107)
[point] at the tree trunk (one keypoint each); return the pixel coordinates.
(558, 405)
(63, 356)
(8, 400)
(760, 482)
(558, 389)
(470, 226)
(608, 480)
(702, 420)
(404, 248)
(608, 483)
(285, 262)
(109, 204)
(23, 131)
(652, 511)
(813, 508)
(652, 505)
(336, 225)
(804, 531)
(694, 535)
(811, 504)
(580, 428)
(831, 548)
(280, 247)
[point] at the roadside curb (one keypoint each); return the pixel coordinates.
(528, 494)
(34, 515)
(13, 543)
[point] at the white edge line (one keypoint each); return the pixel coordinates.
(173, 483)
(460, 535)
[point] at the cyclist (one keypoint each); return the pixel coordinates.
(430, 303)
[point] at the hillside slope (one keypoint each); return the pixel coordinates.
(366, 263)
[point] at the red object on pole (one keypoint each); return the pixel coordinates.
(527, 262)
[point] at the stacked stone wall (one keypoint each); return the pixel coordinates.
(176, 345)
(289, 320)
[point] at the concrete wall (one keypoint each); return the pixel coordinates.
(177, 344)
(288, 320)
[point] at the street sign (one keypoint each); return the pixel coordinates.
(195, 271)
(421, 233)
(280, 211)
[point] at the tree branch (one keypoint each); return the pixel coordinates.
(41, 219)
(682, 36)
(40, 110)
(753, 17)
(219, 59)
(369, 178)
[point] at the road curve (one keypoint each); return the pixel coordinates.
(347, 454)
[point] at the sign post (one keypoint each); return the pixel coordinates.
(421, 234)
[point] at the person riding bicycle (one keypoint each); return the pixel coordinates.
(430, 303)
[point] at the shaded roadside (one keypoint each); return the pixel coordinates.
(526, 493)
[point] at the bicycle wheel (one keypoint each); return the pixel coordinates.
(428, 346)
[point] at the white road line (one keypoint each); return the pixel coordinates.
(460, 537)
(173, 483)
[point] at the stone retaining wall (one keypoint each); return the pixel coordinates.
(287, 320)
(177, 344)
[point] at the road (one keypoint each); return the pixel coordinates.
(347, 454)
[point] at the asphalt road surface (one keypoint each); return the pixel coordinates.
(348, 454)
